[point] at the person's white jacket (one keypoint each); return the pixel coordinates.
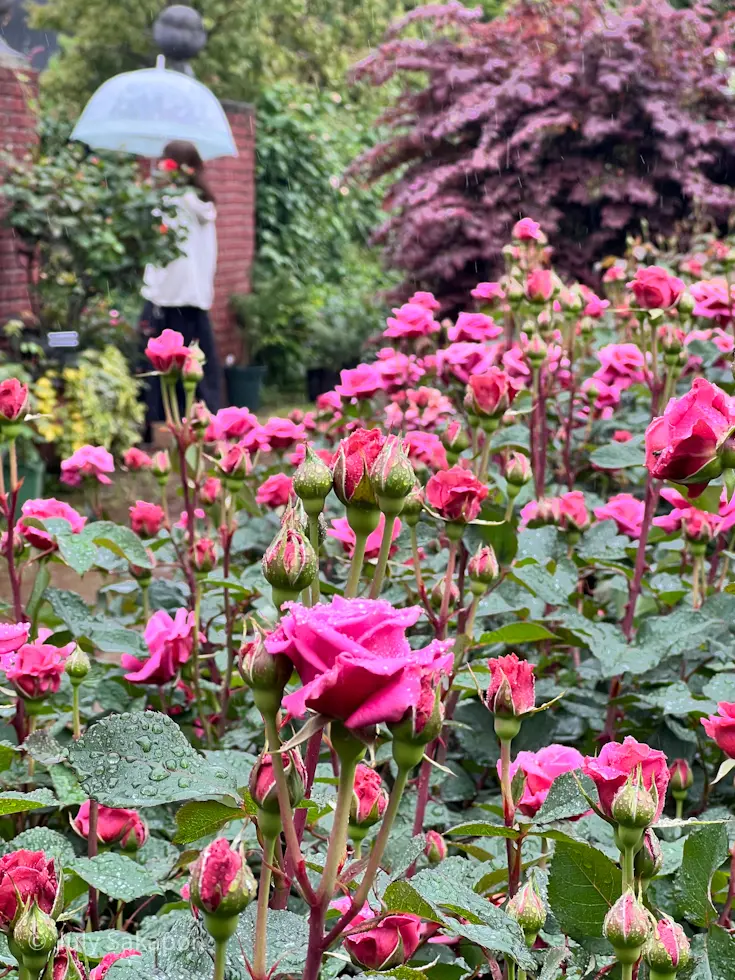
(188, 280)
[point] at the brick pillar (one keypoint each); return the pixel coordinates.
(17, 135)
(233, 182)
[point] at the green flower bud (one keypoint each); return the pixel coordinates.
(34, 937)
(392, 476)
(413, 505)
(529, 911)
(77, 666)
(633, 805)
(667, 949)
(312, 482)
(650, 858)
(626, 927)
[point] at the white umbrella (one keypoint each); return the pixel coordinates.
(141, 111)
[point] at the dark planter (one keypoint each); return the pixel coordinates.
(244, 385)
(319, 381)
(33, 474)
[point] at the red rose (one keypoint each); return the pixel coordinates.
(27, 876)
(655, 288)
(168, 165)
(391, 942)
(275, 491)
(167, 352)
(13, 398)
(456, 494)
(615, 763)
(721, 727)
(685, 443)
(114, 826)
(103, 967)
(38, 667)
(490, 394)
(355, 457)
(512, 689)
(146, 519)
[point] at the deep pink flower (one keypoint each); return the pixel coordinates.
(370, 798)
(541, 769)
(114, 826)
(231, 424)
(94, 462)
(103, 967)
(426, 448)
(539, 285)
(391, 942)
(13, 399)
(135, 459)
(627, 512)
(456, 494)
(146, 519)
(488, 291)
(41, 510)
(474, 327)
(353, 460)
(622, 435)
(275, 491)
(215, 874)
(360, 382)
(721, 727)
(411, 321)
(616, 762)
(210, 490)
(329, 401)
(167, 352)
(26, 876)
(234, 461)
(355, 662)
(711, 300)
(655, 288)
(464, 359)
(621, 365)
(512, 688)
(492, 393)
(12, 637)
(37, 667)
(170, 642)
(283, 433)
(594, 306)
(397, 370)
(527, 230)
(547, 510)
(573, 514)
(183, 521)
(341, 531)
(616, 273)
(427, 300)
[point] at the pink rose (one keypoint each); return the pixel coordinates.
(474, 327)
(355, 662)
(234, 461)
(462, 360)
(397, 370)
(616, 762)
(595, 306)
(512, 688)
(527, 230)
(711, 300)
(340, 530)
(488, 291)
(114, 826)
(231, 424)
(626, 511)
(541, 769)
(210, 490)
(685, 443)
(135, 459)
(411, 321)
(616, 273)
(329, 401)
(183, 521)
(721, 727)
(13, 399)
(204, 555)
(622, 435)
(353, 461)
(491, 394)
(41, 510)
(621, 365)
(369, 799)
(103, 967)
(218, 876)
(12, 637)
(426, 448)
(515, 364)
(94, 462)
(275, 491)
(573, 514)
(391, 942)
(38, 667)
(361, 382)
(655, 288)
(146, 519)
(427, 300)
(262, 783)
(547, 510)
(283, 433)
(26, 876)
(167, 352)
(170, 642)
(456, 494)
(539, 285)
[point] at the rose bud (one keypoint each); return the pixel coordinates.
(312, 482)
(421, 724)
(540, 285)
(698, 530)
(203, 555)
(161, 467)
(455, 440)
(529, 911)
(517, 470)
(483, 569)
(200, 418)
(666, 950)
(234, 464)
(210, 491)
(34, 938)
(656, 289)
(626, 927)
(25, 877)
(289, 564)
(681, 778)
(136, 460)
(438, 592)
(103, 967)
(456, 495)
(266, 674)
(671, 339)
(391, 476)
(263, 781)
(535, 351)
(351, 473)
(413, 506)
(66, 965)
(436, 847)
(114, 826)
(13, 400)
(193, 370)
(390, 943)
(489, 395)
(510, 694)
(146, 519)
(77, 666)
(633, 806)
(650, 858)
(369, 801)
(222, 886)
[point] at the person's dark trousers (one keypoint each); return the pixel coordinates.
(193, 324)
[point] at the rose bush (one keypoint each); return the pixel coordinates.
(387, 682)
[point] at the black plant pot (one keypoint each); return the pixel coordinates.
(319, 381)
(244, 385)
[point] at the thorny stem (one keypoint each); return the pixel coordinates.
(444, 611)
(338, 836)
(383, 554)
(482, 466)
(422, 796)
(314, 539)
(227, 679)
(358, 556)
(10, 543)
(76, 720)
(196, 666)
(506, 791)
(696, 575)
(93, 913)
(266, 870)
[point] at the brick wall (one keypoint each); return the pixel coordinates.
(17, 134)
(233, 181)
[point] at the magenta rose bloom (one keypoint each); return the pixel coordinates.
(427, 300)
(412, 320)
(103, 967)
(231, 424)
(456, 494)
(686, 442)
(527, 230)
(616, 762)
(41, 510)
(512, 688)
(474, 327)
(12, 637)
(114, 826)
(37, 668)
(146, 519)
(655, 288)
(490, 394)
(135, 459)
(541, 769)
(711, 300)
(488, 291)
(621, 365)
(626, 511)
(369, 797)
(354, 660)
(721, 727)
(167, 352)
(360, 382)
(93, 462)
(391, 942)
(275, 491)
(573, 514)
(26, 876)
(13, 398)
(464, 359)
(170, 642)
(283, 433)
(540, 285)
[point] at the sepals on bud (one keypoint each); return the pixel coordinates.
(34, 938)
(437, 595)
(369, 801)
(420, 725)
(627, 926)
(650, 858)
(66, 965)
(529, 911)
(161, 467)
(222, 885)
(203, 556)
(312, 482)
(634, 806)
(517, 470)
(510, 694)
(77, 666)
(681, 778)
(290, 562)
(234, 465)
(455, 440)
(483, 569)
(193, 370)
(413, 505)
(436, 847)
(536, 351)
(264, 791)
(667, 949)
(391, 476)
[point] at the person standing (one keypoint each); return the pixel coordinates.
(178, 296)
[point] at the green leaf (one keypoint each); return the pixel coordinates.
(518, 633)
(19, 802)
(619, 455)
(705, 850)
(400, 896)
(583, 886)
(713, 955)
(44, 748)
(66, 786)
(481, 829)
(552, 588)
(94, 945)
(565, 798)
(143, 759)
(602, 542)
(42, 839)
(77, 552)
(203, 818)
(120, 540)
(553, 960)
(7, 753)
(287, 939)
(116, 876)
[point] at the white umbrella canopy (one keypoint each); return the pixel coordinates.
(140, 112)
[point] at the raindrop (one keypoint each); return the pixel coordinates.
(145, 743)
(184, 782)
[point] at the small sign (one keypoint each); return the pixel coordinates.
(63, 338)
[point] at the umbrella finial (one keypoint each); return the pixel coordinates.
(180, 36)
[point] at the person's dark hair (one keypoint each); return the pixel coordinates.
(187, 155)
